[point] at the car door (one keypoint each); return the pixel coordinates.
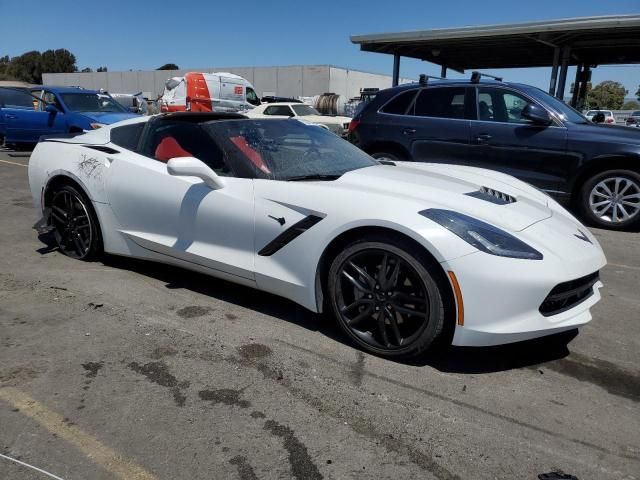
(505, 141)
(26, 119)
(182, 217)
(440, 132)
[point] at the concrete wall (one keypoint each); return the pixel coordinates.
(289, 81)
(349, 82)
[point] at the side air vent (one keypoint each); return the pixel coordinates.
(494, 196)
(104, 149)
(289, 235)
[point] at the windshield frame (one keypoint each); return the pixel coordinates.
(285, 149)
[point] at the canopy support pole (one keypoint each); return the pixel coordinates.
(396, 70)
(562, 82)
(554, 71)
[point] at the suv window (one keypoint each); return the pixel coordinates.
(499, 105)
(167, 140)
(399, 104)
(441, 102)
(283, 110)
(127, 136)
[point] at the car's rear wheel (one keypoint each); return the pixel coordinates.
(385, 297)
(611, 199)
(75, 224)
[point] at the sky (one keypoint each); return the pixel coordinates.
(142, 35)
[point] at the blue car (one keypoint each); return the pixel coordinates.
(27, 114)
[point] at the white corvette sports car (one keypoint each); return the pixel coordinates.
(402, 254)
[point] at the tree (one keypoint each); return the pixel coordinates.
(101, 69)
(30, 66)
(26, 67)
(58, 61)
(169, 66)
(631, 105)
(86, 70)
(638, 94)
(608, 94)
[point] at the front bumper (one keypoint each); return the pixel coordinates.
(502, 296)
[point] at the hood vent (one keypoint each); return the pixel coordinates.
(494, 196)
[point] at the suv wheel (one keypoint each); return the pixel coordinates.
(389, 156)
(611, 199)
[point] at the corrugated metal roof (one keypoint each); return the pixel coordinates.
(611, 39)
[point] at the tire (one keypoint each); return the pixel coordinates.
(75, 224)
(621, 189)
(412, 306)
(388, 155)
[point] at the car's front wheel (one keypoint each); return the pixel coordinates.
(611, 199)
(386, 296)
(75, 224)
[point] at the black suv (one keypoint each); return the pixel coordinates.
(514, 128)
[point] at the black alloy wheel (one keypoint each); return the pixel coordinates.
(385, 299)
(74, 223)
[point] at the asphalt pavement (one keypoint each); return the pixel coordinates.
(123, 369)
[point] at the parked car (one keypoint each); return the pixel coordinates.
(302, 111)
(208, 92)
(403, 256)
(28, 114)
(633, 120)
(514, 128)
(601, 116)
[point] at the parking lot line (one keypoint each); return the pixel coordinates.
(14, 163)
(88, 445)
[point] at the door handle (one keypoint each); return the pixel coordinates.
(409, 131)
(483, 138)
(10, 116)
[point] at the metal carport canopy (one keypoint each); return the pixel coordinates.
(605, 40)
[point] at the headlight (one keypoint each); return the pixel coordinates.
(481, 235)
(95, 126)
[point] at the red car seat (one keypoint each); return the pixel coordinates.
(169, 148)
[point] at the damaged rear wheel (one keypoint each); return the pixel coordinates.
(75, 225)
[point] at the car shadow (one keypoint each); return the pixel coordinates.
(448, 359)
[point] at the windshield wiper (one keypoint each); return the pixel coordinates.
(313, 176)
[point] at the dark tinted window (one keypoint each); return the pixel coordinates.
(442, 102)
(499, 105)
(400, 104)
(283, 110)
(128, 135)
(16, 98)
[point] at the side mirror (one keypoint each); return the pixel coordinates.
(51, 108)
(536, 114)
(192, 167)
(598, 118)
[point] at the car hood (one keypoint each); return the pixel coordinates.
(108, 117)
(448, 187)
(608, 133)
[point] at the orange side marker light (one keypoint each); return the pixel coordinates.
(458, 294)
